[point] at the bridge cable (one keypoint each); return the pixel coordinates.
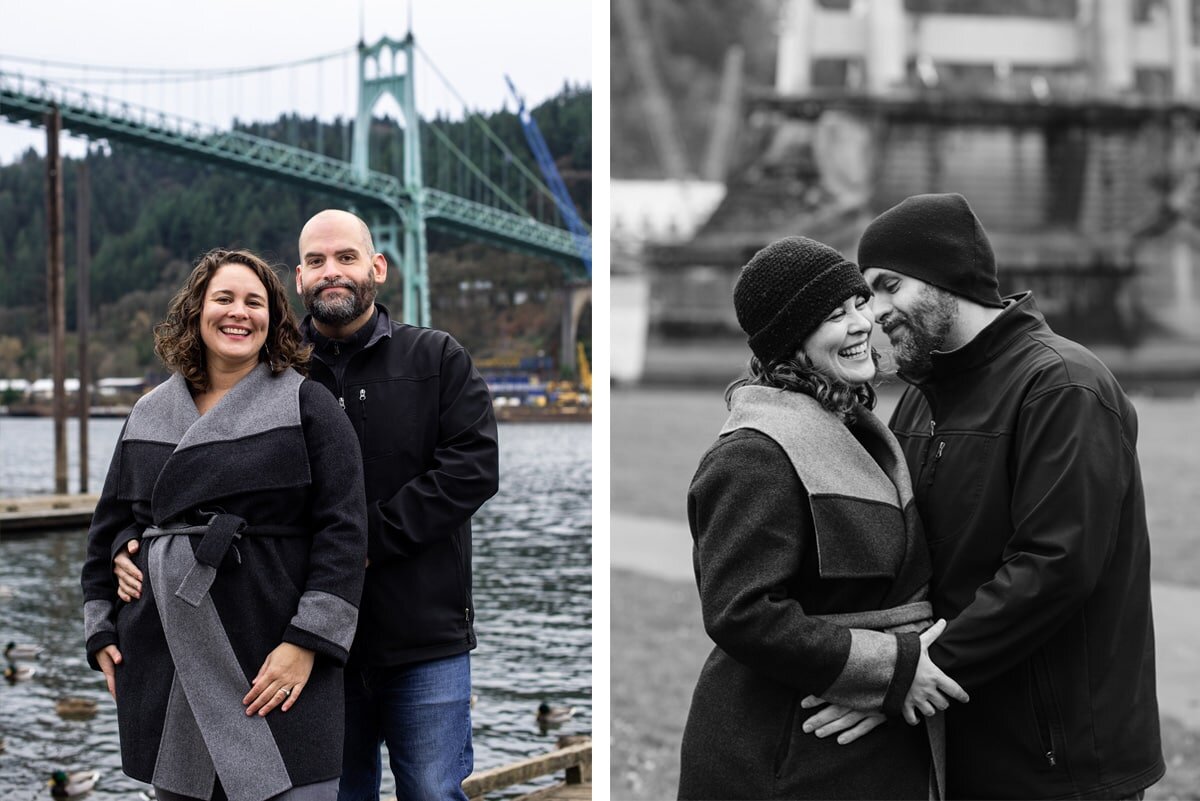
(445, 140)
(542, 188)
(175, 74)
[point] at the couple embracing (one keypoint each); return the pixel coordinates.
(955, 605)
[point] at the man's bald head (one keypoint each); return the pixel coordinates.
(338, 272)
(335, 220)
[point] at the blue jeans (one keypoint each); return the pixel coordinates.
(423, 712)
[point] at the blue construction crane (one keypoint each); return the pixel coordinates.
(566, 207)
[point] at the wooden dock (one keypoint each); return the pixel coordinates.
(573, 756)
(37, 513)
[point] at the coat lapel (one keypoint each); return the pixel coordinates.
(858, 514)
(226, 451)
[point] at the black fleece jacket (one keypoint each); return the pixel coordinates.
(1023, 453)
(425, 422)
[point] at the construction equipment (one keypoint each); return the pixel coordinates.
(562, 199)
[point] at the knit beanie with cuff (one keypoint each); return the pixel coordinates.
(936, 239)
(786, 291)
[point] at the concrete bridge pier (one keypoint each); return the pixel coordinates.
(576, 297)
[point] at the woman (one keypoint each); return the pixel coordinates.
(244, 482)
(809, 557)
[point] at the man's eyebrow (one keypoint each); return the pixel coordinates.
(878, 280)
(336, 253)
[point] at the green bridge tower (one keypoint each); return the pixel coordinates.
(379, 74)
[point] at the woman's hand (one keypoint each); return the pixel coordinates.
(280, 680)
(129, 578)
(848, 723)
(930, 686)
(108, 658)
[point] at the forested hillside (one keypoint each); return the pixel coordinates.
(154, 215)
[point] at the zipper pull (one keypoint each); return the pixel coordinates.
(468, 615)
(342, 401)
(362, 395)
(936, 458)
(932, 427)
(1050, 758)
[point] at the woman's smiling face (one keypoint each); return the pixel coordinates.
(235, 318)
(840, 347)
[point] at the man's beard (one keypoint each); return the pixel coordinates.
(338, 310)
(926, 326)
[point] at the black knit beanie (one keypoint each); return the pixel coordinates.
(937, 239)
(787, 289)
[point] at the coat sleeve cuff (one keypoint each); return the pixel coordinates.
(125, 535)
(319, 645)
(908, 654)
(869, 668)
(95, 643)
(323, 623)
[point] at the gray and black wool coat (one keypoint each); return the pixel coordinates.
(813, 573)
(261, 497)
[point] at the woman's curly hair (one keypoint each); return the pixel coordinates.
(177, 338)
(796, 373)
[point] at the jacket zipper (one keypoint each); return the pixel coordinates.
(362, 404)
(462, 585)
(341, 389)
(928, 446)
(937, 457)
(1041, 710)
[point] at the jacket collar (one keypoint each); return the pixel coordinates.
(375, 329)
(1020, 315)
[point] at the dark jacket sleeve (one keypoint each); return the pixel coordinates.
(328, 612)
(1073, 469)
(113, 524)
(465, 471)
(751, 530)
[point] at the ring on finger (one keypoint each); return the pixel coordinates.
(286, 691)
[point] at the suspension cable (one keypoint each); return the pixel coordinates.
(170, 74)
(445, 140)
(542, 188)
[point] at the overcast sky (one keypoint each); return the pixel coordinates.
(472, 43)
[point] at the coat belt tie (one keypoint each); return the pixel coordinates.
(219, 535)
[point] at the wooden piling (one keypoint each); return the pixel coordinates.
(55, 293)
(83, 264)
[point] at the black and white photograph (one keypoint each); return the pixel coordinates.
(905, 380)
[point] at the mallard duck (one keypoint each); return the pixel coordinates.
(68, 785)
(13, 652)
(74, 708)
(13, 673)
(554, 715)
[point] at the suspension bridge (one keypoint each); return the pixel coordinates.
(479, 190)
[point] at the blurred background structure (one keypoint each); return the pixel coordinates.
(1070, 126)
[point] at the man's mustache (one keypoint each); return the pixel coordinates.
(892, 321)
(343, 283)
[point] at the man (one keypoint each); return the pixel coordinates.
(1022, 451)
(425, 422)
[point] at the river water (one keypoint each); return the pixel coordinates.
(532, 577)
